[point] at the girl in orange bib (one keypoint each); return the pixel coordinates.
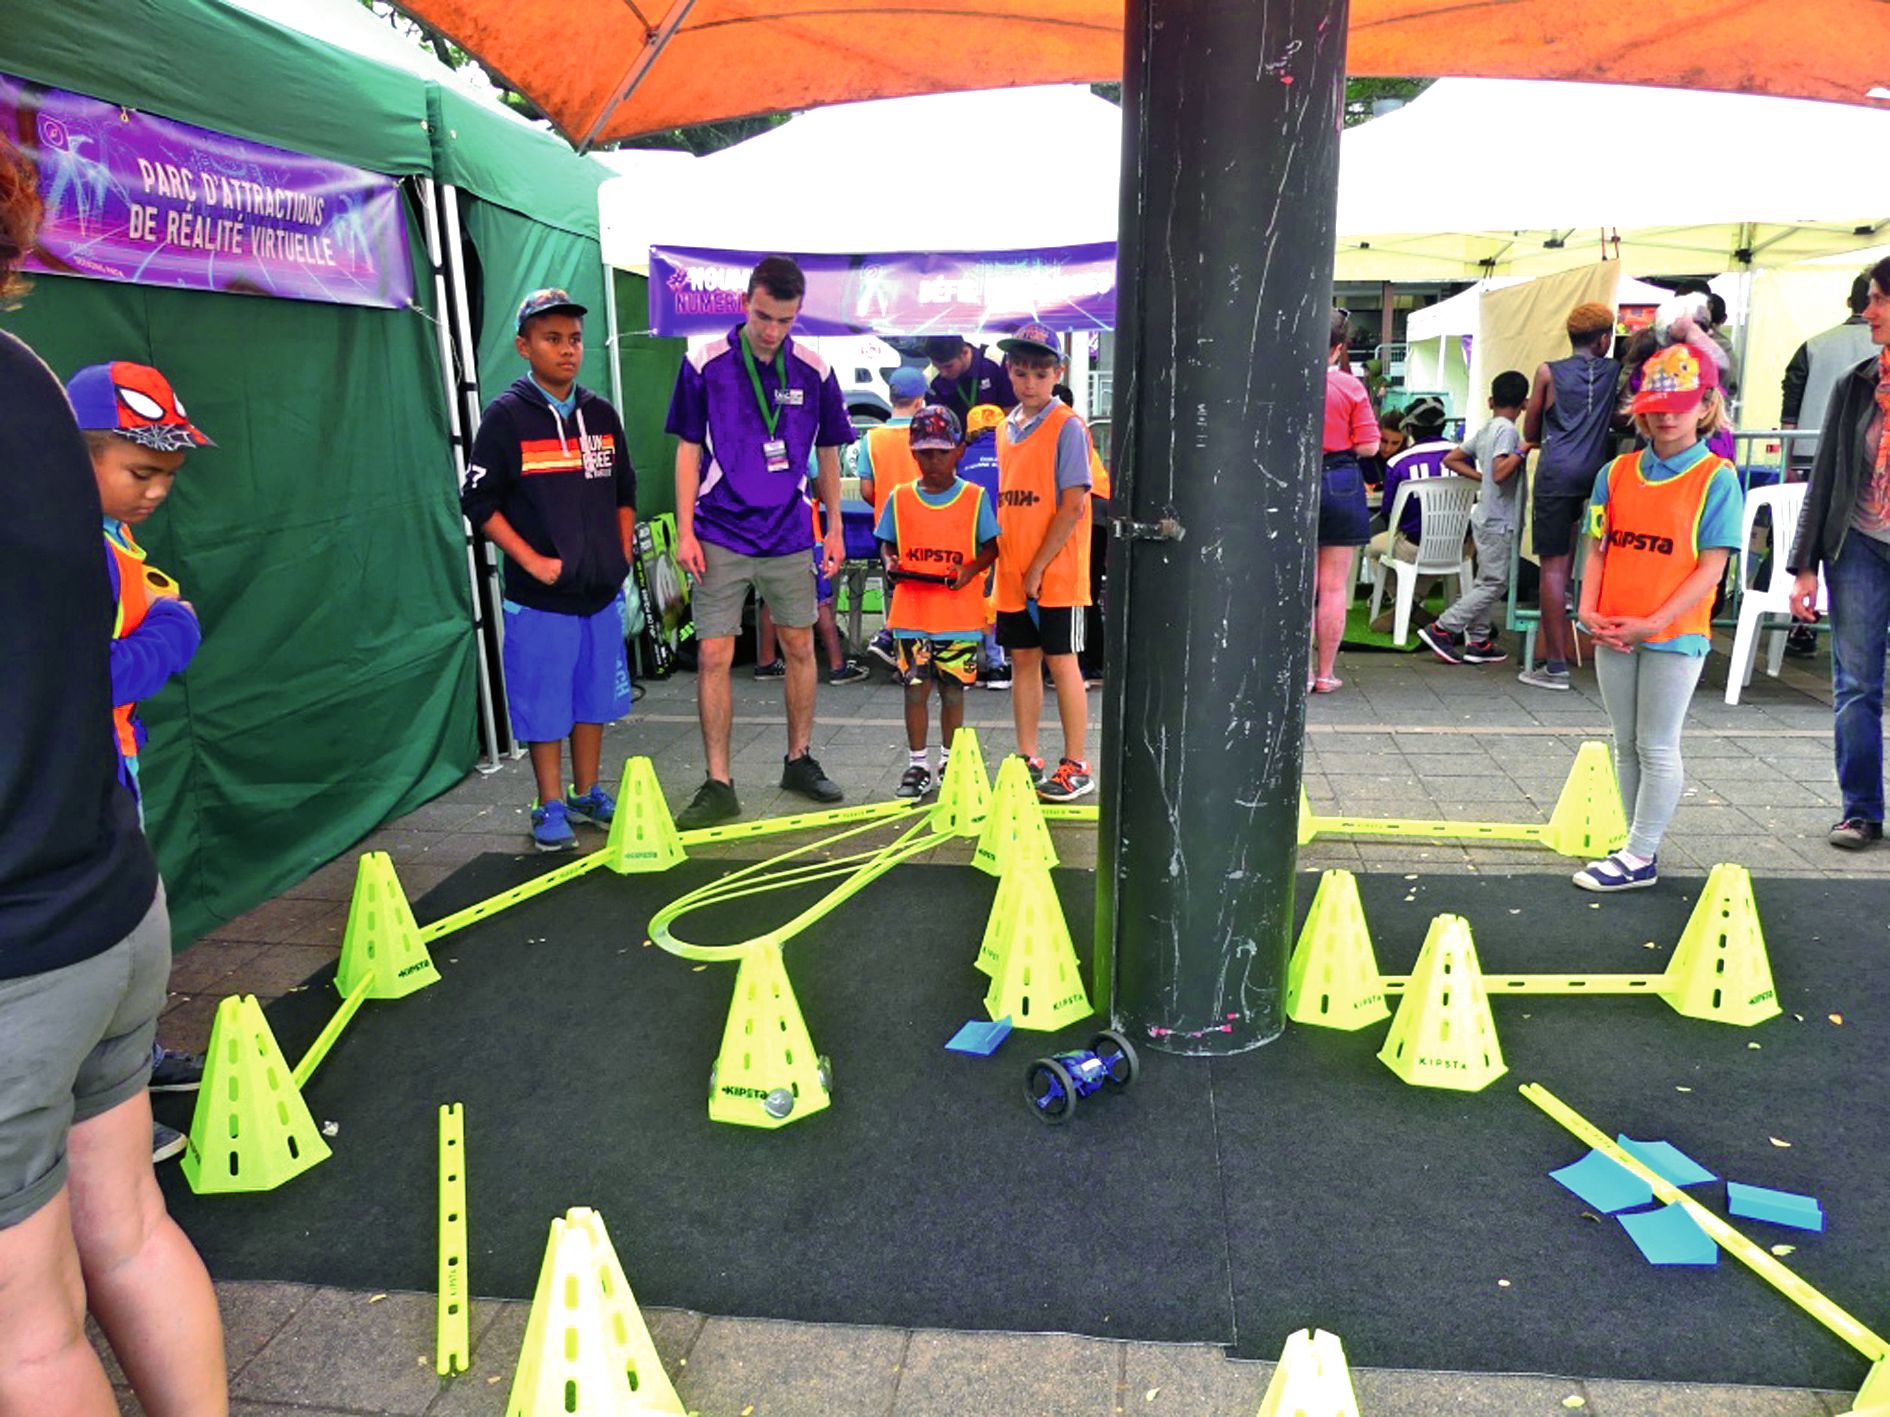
(1664, 520)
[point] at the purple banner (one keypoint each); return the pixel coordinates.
(130, 197)
(698, 290)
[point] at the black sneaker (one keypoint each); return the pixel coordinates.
(1855, 833)
(777, 670)
(997, 677)
(1070, 781)
(1483, 652)
(884, 650)
(166, 1142)
(1034, 767)
(915, 782)
(803, 775)
(849, 673)
(713, 804)
(175, 1072)
(1801, 642)
(1443, 644)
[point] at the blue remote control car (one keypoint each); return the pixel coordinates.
(1052, 1085)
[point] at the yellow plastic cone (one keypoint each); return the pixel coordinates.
(767, 1073)
(1720, 970)
(1036, 983)
(1308, 829)
(587, 1349)
(382, 937)
(998, 925)
(1015, 830)
(643, 835)
(1442, 1034)
(964, 797)
(1312, 1379)
(1873, 1398)
(251, 1130)
(1588, 820)
(1332, 979)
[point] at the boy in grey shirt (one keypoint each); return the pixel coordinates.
(1466, 632)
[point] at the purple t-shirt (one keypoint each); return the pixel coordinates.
(740, 505)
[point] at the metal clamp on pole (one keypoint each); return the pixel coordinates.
(1169, 528)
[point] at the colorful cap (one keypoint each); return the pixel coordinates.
(136, 402)
(981, 417)
(549, 301)
(934, 426)
(1033, 339)
(1675, 380)
(907, 383)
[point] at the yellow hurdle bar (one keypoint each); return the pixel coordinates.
(325, 1040)
(1551, 983)
(1434, 830)
(1052, 812)
(505, 900)
(803, 821)
(1752, 1256)
(453, 1344)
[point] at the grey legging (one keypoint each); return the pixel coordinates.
(1647, 693)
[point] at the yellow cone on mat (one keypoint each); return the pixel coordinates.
(767, 1073)
(964, 797)
(587, 1349)
(1015, 829)
(1332, 979)
(1312, 1379)
(1035, 982)
(381, 936)
(1308, 829)
(1720, 970)
(1442, 1034)
(1588, 820)
(251, 1130)
(643, 835)
(1873, 1398)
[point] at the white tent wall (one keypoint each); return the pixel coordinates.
(1789, 305)
(1526, 325)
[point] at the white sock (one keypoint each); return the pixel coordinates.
(944, 758)
(1631, 860)
(917, 757)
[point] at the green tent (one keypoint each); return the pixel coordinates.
(320, 540)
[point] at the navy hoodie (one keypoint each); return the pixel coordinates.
(559, 483)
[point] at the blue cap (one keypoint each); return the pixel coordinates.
(1033, 338)
(907, 383)
(550, 301)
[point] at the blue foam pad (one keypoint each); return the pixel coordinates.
(1604, 1183)
(1779, 1207)
(1670, 1236)
(1667, 1161)
(979, 1038)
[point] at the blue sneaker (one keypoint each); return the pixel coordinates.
(1614, 874)
(596, 806)
(551, 830)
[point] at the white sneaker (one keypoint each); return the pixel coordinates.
(1543, 679)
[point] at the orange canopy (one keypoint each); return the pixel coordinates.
(609, 69)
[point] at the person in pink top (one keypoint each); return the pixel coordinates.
(1345, 523)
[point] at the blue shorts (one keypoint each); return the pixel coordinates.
(1344, 519)
(562, 670)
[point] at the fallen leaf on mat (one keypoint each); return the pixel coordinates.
(1678, 1088)
(1776, 1142)
(1838, 1019)
(1149, 1396)
(698, 968)
(748, 1411)
(1408, 878)
(1594, 905)
(493, 1379)
(1783, 1250)
(1517, 911)
(1650, 945)
(1590, 1215)
(1502, 1284)
(1755, 1047)
(376, 1298)
(1573, 1401)
(331, 1129)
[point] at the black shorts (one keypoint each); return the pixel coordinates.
(1344, 519)
(1058, 629)
(1559, 519)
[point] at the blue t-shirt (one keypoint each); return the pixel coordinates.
(1721, 519)
(740, 505)
(986, 533)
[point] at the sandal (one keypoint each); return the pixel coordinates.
(1327, 685)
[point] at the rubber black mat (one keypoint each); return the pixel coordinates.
(1227, 1202)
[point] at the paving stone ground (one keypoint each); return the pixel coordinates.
(1407, 736)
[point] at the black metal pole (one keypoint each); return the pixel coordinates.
(1231, 115)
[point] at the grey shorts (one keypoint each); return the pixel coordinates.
(74, 1042)
(784, 583)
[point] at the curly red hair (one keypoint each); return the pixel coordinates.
(19, 215)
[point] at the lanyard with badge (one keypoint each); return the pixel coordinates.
(773, 449)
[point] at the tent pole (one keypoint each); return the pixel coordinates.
(488, 571)
(462, 444)
(1219, 376)
(611, 328)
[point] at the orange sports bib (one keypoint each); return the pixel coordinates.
(1027, 503)
(936, 541)
(1651, 535)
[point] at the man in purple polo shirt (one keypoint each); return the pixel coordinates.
(749, 410)
(966, 377)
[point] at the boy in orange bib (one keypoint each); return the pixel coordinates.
(938, 537)
(1664, 520)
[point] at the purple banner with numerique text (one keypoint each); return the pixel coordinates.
(696, 290)
(132, 197)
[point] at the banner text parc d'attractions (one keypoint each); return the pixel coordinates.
(204, 231)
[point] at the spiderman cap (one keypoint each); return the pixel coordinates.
(136, 402)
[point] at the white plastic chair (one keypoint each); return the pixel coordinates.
(1444, 505)
(1785, 502)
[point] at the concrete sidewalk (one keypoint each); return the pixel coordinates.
(1407, 736)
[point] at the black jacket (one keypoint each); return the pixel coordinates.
(76, 876)
(1838, 473)
(559, 483)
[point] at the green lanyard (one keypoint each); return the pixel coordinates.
(968, 387)
(770, 415)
